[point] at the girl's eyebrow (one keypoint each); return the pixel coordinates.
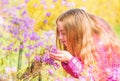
(62, 30)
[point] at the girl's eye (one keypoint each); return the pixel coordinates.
(63, 33)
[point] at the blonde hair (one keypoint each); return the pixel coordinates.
(81, 28)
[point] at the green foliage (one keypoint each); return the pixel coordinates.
(117, 30)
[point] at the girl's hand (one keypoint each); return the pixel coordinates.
(63, 56)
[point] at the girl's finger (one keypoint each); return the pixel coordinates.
(54, 57)
(60, 52)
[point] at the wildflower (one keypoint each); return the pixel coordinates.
(10, 69)
(55, 0)
(37, 58)
(48, 14)
(27, 55)
(21, 46)
(45, 21)
(50, 72)
(26, 1)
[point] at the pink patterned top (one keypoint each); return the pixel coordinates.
(110, 67)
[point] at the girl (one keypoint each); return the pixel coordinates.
(89, 48)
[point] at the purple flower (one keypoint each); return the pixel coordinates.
(54, 50)
(55, 0)
(51, 72)
(47, 60)
(24, 13)
(26, 1)
(48, 47)
(30, 47)
(70, 4)
(45, 21)
(25, 35)
(9, 47)
(21, 46)
(15, 49)
(34, 36)
(49, 34)
(35, 5)
(27, 55)
(5, 2)
(39, 44)
(28, 23)
(56, 66)
(48, 14)
(43, 2)
(37, 58)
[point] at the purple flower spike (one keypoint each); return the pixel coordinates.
(34, 36)
(24, 13)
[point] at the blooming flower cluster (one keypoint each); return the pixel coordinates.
(18, 39)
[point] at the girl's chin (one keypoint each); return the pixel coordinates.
(64, 43)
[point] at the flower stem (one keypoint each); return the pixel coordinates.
(20, 58)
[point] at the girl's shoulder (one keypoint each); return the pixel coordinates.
(100, 45)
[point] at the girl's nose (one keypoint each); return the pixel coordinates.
(60, 36)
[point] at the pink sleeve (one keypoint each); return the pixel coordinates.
(73, 67)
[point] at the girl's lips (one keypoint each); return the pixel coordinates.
(64, 42)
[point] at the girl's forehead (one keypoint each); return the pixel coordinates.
(60, 26)
(59, 23)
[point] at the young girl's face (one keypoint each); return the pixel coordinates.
(61, 33)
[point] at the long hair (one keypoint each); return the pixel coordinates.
(81, 30)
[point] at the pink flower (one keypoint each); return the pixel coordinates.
(51, 72)
(68, 79)
(10, 69)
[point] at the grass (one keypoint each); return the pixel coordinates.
(117, 30)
